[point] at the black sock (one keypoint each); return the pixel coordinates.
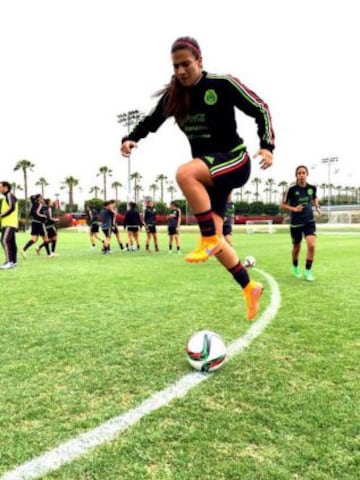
(308, 264)
(46, 245)
(41, 246)
(295, 263)
(28, 244)
(240, 274)
(170, 247)
(206, 223)
(53, 246)
(178, 248)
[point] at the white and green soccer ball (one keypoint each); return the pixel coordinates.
(249, 261)
(206, 351)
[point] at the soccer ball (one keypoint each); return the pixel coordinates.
(206, 351)
(249, 261)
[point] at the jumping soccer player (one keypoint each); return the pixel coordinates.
(299, 199)
(204, 105)
(9, 225)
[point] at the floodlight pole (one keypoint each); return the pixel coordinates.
(129, 119)
(329, 161)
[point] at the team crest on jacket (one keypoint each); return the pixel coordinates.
(210, 97)
(310, 191)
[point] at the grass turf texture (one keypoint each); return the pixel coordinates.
(85, 337)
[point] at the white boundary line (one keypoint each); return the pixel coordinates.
(80, 445)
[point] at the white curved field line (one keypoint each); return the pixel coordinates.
(80, 445)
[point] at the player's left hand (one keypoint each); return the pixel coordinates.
(266, 158)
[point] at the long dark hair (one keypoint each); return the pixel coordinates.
(176, 97)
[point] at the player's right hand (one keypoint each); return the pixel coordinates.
(298, 208)
(126, 147)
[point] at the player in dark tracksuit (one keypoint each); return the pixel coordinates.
(150, 225)
(204, 106)
(9, 224)
(299, 199)
(50, 225)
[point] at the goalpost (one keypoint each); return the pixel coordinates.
(340, 217)
(264, 226)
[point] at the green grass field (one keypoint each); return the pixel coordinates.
(86, 337)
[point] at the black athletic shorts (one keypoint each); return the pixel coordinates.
(298, 232)
(51, 231)
(132, 229)
(227, 229)
(173, 231)
(228, 170)
(94, 228)
(38, 229)
(150, 228)
(107, 232)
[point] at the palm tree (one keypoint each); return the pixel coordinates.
(153, 188)
(25, 165)
(171, 189)
(161, 179)
(338, 188)
(116, 185)
(256, 181)
(270, 182)
(347, 191)
(323, 187)
(105, 172)
(283, 184)
(95, 190)
(136, 177)
(70, 183)
(14, 187)
(247, 194)
(238, 195)
(137, 190)
(42, 182)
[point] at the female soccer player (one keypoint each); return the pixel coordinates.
(50, 227)
(9, 225)
(38, 228)
(94, 225)
(150, 225)
(229, 220)
(133, 223)
(299, 199)
(204, 105)
(174, 221)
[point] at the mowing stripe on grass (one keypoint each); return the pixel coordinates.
(79, 446)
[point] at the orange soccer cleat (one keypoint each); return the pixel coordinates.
(208, 247)
(252, 293)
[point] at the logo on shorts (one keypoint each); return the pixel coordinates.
(210, 97)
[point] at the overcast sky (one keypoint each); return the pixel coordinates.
(69, 67)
